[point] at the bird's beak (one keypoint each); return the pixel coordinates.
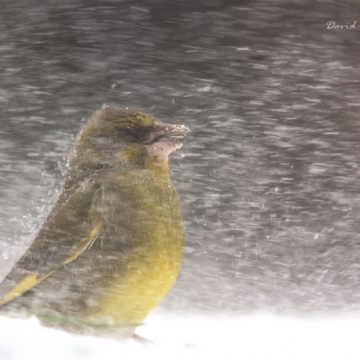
(170, 132)
(176, 133)
(166, 138)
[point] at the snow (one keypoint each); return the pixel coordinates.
(196, 336)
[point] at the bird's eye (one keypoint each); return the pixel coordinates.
(138, 134)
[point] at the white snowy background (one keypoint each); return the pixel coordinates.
(257, 337)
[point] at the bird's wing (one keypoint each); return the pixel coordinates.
(71, 228)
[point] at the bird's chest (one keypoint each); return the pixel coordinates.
(149, 257)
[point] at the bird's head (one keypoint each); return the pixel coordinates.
(114, 133)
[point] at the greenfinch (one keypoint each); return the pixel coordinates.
(111, 247)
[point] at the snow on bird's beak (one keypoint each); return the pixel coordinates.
(166, 138)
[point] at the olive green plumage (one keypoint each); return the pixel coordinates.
(112, 245)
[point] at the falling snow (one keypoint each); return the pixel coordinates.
(268, 178)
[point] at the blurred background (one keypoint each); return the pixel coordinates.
(269, 176)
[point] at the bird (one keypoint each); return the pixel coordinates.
(112, 244)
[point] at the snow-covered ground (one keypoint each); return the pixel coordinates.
(260, 336)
